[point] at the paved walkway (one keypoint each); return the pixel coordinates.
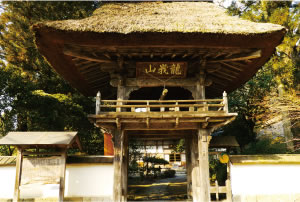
(161, 189)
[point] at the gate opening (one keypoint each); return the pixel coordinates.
(157, 169)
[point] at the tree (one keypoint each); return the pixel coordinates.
(31, 92)
(281, 70)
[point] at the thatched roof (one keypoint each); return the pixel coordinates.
(86, 52)
(185, 17)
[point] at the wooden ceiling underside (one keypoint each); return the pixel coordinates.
(224, 66)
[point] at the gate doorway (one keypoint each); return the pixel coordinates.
(157, 168)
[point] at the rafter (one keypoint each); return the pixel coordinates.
(232, 66)
(242, 56)
(85, 56)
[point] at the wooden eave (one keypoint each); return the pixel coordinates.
(86, 59)
(161, 121)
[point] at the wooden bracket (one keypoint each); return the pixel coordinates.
(205, 124)
(206, 138)
(148, 122)
(118, 123)
(177, 122)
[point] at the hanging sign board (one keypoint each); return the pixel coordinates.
(161, 70)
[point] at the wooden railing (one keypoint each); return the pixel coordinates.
(119, 105)
(222, 190)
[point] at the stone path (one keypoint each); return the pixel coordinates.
(161, 189)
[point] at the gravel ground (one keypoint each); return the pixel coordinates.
(160, 189)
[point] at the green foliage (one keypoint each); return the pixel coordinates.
(266, 146)
(179, 146)
(281, 69)
(33, 96)
(154, 160)
(242, 129)
(134, 155)
(169, 173)
(217, 171)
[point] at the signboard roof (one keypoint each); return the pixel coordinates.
(39, 138)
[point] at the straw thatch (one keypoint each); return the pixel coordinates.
(86, 52)
(186, 17)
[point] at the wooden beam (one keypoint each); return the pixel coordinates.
(195, 168)
(62, 176)
(19, 162)
(82, 62)
(188, 166)
(125, 156)
(87, 66)
(157, 137)
(118, 162)
(224, 73)
(232, 66)
(132, 82)
(243, 56)
(224, 77)
(159, 132)
(85, 56)
(203, 142)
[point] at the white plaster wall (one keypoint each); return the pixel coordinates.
(92, 181)
(82, 180)
(7, 181)
(262, 180)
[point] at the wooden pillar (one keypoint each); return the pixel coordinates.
(200, 86)
(62, 176)
(124, 169)
(188, 165)
(203, 143)
(19, 161)
(98, 103)
(195, 168)
(118, 162)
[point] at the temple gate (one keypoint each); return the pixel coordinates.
(146, 49)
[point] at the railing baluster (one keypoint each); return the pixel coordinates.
(202, 105)
(217, 190)
(98, 102)
(148, 108)
(228, 191)
(176, 108)
(119, 102)
(225, 102)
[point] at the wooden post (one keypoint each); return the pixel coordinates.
(197, 164)
(118, 164)
(195, 168)
(200, 89)
(188, 166)
(19, 161)
(148, 108)
(62, 176)
(217, 190)
(225, 102)
(203, 142)
(119, 102)
(228, 191)
(125, 156)
(98, 103)
(176, 108)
